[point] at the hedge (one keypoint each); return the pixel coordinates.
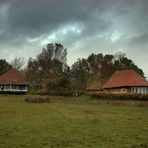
(59, 92)
(13, 93)
(141, 97)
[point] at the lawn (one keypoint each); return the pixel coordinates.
(73, 123)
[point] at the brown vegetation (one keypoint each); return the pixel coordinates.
(123, 96)
(37, 99)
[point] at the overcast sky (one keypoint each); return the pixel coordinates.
(82, 26)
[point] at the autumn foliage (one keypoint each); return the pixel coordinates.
(49, 73)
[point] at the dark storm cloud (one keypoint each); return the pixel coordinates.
(37, 17)
(30, 18)
(33, 17)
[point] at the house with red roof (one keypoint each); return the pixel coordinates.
(13, 81)
(126, 81)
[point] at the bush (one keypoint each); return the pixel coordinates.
(142, 97)
(59, 92)
(37, 99)
(13, 93)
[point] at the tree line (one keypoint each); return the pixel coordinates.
(50, 71)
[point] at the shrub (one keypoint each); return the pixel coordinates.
(59, 92)
(37, 99)
(13, 92)
(142, 97)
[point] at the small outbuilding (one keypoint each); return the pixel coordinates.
(126, 81)
(94, 87)
(13, 81)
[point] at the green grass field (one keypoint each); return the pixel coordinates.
(75, 123)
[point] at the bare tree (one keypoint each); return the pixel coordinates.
(18, 63)
(119, 55)
(58, 52)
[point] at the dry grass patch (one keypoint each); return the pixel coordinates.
(37, 99)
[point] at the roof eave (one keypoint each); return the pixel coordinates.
(125, 86)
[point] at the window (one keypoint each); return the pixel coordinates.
(136, 90)
(146, 90)
(22, 87)
(6, 87)
(123, 90)
(132, 90)
(139, 90)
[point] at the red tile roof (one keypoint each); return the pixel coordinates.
(12, 76)
(125, 78)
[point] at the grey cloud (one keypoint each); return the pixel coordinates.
(36, 17)
(139, 40)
